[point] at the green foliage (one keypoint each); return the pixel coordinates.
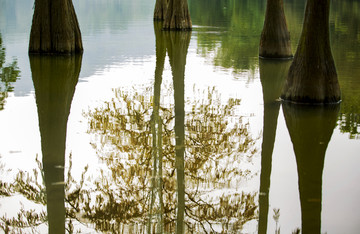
(8, 75)
(229, 31)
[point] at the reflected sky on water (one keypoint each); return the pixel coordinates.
(249, 162)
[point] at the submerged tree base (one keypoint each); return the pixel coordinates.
(55, 28)
(312, 77)
(177, 16)
(160, 10)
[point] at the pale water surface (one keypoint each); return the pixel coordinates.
(106, 141)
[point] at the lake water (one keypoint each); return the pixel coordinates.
(148, 130)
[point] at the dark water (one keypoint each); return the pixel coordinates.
(152, 131)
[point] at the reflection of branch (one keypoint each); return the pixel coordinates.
(194, 217)
(199, 221)
(216, 144)
(25, 219)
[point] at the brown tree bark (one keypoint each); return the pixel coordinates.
(312, 76)
(275, 37)
(55, 28)
(160, 9)
(177, 16)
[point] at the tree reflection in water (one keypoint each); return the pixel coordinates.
(143, 145)
(272, 76)
(8, 75)
(156, 131)
(310, 129)
(54, 78)
(213, 153)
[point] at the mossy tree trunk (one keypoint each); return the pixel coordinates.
(312, 76)
(275, 37)
(177, 16)
(160, 9)
(55, 28)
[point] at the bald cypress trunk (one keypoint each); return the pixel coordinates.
(160, 9)
(55, 28)
(177, 16)
(275, 37)
(312, 76)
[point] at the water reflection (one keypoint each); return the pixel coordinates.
(54, 80)
(156, 203)
(177, 44)
(345, 38)
(8, 75)
(272, 76)
(230, 31)
(119, 197)
(310, 129)
(144, 144)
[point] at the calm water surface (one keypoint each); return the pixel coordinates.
(149, 131)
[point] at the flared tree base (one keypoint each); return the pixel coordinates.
(312, 83)
(160, 10)
(177, 16)
(312, 78)
(55, 28)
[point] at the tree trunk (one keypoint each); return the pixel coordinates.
(54, 80)
(312, 76)
(160, 9)
(310, 128)
(275, 37)
(177, 16)
(55, 28)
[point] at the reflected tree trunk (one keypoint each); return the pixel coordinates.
(310, 129)
(312, 76)
(54, 80)
(177, 44)
(177, 16)
(55, 28)
(272, 76)
(275, 37)
(156, 129)
(160, 9)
